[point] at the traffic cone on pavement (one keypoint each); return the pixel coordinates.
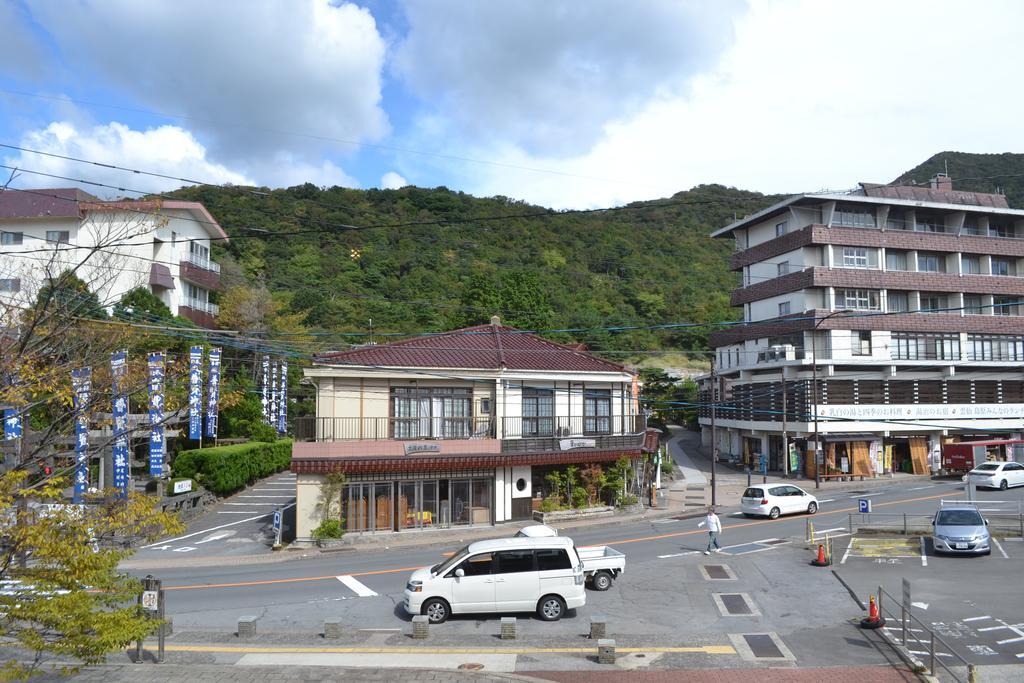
(821, 560)
(873, 619)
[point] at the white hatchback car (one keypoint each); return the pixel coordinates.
(997, 475)
(772, 500)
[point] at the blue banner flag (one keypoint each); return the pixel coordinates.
(272, 415)
(195, 392)
(119, 404)
(12, 423)
(282, 402)
(81, 384)
(265, 399)
(156, 414)
(213, 394)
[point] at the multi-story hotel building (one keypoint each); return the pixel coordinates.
(114, 246)
(904, 303)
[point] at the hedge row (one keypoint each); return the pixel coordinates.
(226, 469)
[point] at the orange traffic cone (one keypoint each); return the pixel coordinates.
(873, 619)
(821, 560)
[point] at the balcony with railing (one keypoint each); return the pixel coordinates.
(517, 434)
(200, 305)
(203, 262)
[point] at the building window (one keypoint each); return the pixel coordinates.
(855, 257)
(914, 346)
(781, 228)
(971, 226)
(996, 347)
(430, 412)
(899, 302)
(58, 236)
(930, 263)
(538, 412)
(783, 268)
(929, 224)
(854, 217)
(1005, 305)
(784, 308)
(1001, 266)
(10, 285)
(861, 342)
(485, 406)
(971, 265)
(896, 260)
(11, 238)
(932, 303)
(973, 305)
(857, 299)
(597, 411)
(1000, 229)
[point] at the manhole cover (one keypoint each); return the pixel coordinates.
(716, 571)
(735, 603)
(763, 646)
(471, 666)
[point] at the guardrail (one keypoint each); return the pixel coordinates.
(908, 633)
(909, 522)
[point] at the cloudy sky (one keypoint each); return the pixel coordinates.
(561, 103)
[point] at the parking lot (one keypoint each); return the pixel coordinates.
(973, 603)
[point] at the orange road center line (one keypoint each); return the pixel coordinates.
(639, 539)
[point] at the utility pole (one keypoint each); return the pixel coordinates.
(714, 432)
(785, 436)
(818, 462)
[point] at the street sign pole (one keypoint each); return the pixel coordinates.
(277, 528)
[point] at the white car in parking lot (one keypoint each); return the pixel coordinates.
(772, 500)
(997, 475)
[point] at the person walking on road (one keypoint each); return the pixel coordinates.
(714, 526)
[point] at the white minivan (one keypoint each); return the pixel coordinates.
(521, 574)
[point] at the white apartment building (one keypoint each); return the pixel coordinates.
(903, 302)
(163, 245)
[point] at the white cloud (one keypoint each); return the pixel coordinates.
(812, 95)
(242, 73)
(286, 170)
(392, 181)
(167, 150)
(547, 75)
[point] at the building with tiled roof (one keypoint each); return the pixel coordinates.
(114, 246)
(457, 429)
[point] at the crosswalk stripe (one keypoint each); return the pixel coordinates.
(357, 586)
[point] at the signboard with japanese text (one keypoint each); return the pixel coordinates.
(12, 423)
(282, 400)
(213, 394)
(81, 385)
(195, 392)
(265, 387)
(119, 405)
(272, 414)
(156, 414)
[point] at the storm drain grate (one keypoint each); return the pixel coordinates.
(735, 605)
(717, 572)
(762, 645)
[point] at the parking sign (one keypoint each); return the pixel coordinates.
(864, 505)
(277, 520)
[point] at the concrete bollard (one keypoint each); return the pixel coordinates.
(508, 628)
(332, 629)
(598, 628)
(606, 651)
(246, 627)
(420, 624)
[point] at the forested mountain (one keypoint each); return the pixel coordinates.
(432, 259)
(979, 172)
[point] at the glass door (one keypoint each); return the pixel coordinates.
(461, 507)
(382, 520)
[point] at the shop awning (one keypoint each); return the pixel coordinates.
(832, 438)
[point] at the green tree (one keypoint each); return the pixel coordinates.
(142, 305)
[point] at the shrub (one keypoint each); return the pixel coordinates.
(226, 469)
(329, 528)
(261, 431)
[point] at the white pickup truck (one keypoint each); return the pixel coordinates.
(601, 565)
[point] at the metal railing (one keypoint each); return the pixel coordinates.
(204, 263)
(200, 305)
(907, 523)
(411, 428)
(926, 646)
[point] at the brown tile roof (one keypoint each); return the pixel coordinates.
(483, 347)
(60, 203)
(434, 462)
(921, 193)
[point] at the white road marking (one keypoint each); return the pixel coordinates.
(826, 500)
(1009, 640)
(825, 531)
(922, 605)
(665, 557)
(992, 628)
(250, 504)
(184, 549)
(212, 538)
(977, 618)
(922, 488)
(242, 512)
(847, 553)
(283, 495)
(922, 652)
(1000, 546)
(899, 628)
(218, 528)
(357, 586)
(1020, 656)
(924, 557)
